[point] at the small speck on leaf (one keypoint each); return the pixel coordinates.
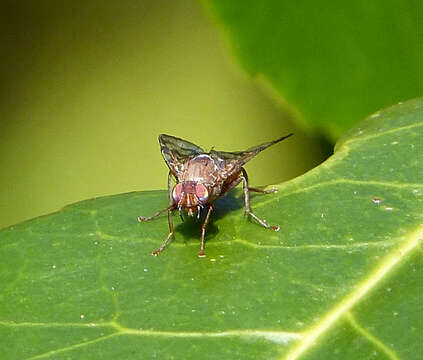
(377, 200)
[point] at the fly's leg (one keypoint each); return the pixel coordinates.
(148, 218)
(247, 204)
(268, 191)
(170, 207)
(171, 231)
(203, 231)
(169, 210)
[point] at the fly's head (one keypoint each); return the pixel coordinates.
(190, 196)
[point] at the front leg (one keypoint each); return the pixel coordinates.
(203, 231)
(169, 210)
(169, 236)
(148, 218)
(171, 206)
(263, 223)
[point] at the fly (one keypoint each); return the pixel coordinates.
(202, 177)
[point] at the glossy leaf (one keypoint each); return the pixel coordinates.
(332, 62)
(341, 279)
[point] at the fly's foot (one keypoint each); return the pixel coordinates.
(271, 227)
(161, 248)
(201, 254)
(156, 252)
(275, 228)
(271, 190)
(141, 218)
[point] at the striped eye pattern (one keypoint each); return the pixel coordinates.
(201, 192)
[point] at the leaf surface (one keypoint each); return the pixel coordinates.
(341, 278)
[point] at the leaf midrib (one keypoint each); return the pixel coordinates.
(384, 268)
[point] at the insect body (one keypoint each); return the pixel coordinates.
(201, 178)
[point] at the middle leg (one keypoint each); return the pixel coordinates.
(247, 204)
(268, 191)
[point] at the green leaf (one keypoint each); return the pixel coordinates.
(341, 279)
(333, 62)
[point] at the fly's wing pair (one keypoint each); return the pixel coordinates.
(177, 151)
(233, 161)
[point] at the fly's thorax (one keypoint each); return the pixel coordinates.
(201, 169)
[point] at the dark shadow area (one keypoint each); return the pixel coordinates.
(326, 147)
(190, 229)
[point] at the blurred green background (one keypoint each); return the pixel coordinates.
(88, 86)
(333, 62)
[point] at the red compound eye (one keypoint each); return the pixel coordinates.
(201, 192)
(177, 192)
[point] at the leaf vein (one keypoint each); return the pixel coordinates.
(71, 347)
(371, 338)
(366, 286)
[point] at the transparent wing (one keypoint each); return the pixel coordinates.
(177, 151)
(232, 162)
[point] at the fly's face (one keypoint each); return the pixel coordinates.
(190, 196)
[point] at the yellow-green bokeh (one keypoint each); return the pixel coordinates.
(90, 85)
